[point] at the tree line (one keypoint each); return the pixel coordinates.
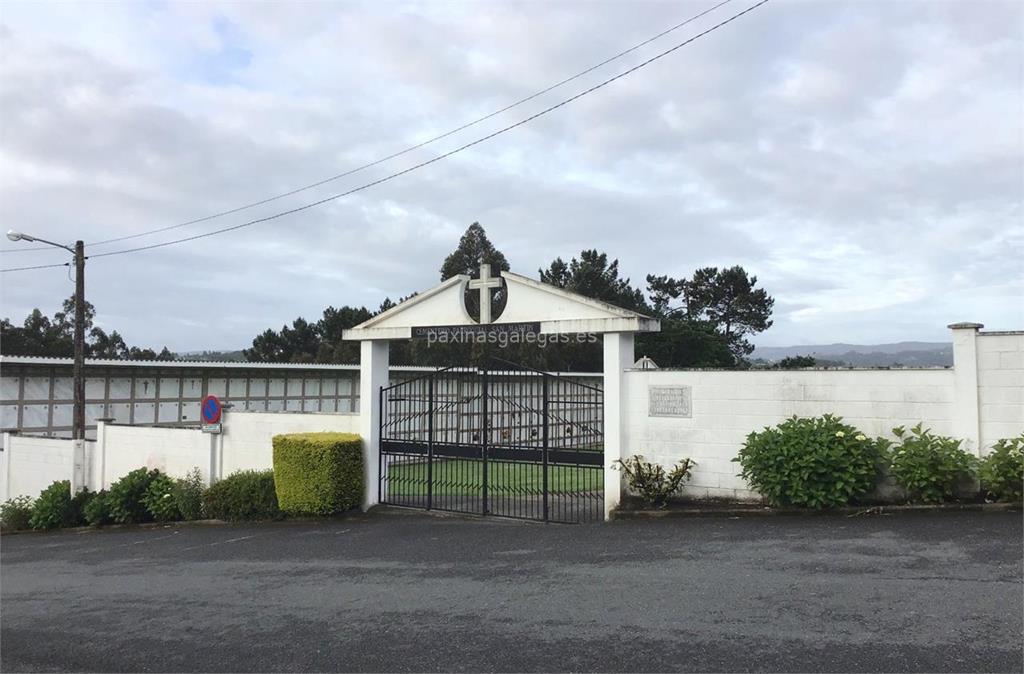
(40, 335)
(706, 320)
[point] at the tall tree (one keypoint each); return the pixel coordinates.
(333, 349)
(594, 276)
(723, 298)
(110, 346)
(474, 250)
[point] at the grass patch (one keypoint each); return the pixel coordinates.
(460, 477)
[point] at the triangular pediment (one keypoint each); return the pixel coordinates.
(553, 309)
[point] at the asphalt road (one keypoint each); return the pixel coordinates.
(400, 592)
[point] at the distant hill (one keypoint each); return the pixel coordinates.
(219, 356)
(908, 354)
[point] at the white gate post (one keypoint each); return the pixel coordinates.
(618, 355)
(965, 385)
(373, 374)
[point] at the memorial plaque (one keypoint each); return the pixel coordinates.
(668, 401)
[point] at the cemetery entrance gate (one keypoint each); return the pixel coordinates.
(499, 440)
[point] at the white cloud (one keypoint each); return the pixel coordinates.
(863, 159)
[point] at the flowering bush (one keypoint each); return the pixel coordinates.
(16, 513)
(930, 467)
(159, 499)
(816, 462)
(1002, 470)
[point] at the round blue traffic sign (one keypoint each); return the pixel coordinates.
(210, 409)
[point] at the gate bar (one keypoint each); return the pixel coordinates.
(430, 442)
(544, 449)
(486, 429)
(380, 441)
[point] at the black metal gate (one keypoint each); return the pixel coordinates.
(496, 441)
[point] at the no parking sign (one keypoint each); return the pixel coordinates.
(210, 410)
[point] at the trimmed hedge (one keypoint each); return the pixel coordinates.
(245, 495)
(318, 473)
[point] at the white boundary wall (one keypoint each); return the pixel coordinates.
(31, 464)
(979, 401)
(727, 406)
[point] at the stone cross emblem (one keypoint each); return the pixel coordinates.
(484, 285)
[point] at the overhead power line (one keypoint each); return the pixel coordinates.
(438, 157)
(394, 155)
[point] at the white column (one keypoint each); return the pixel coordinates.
(618, 355)
(99, 457)
(78, 467)
(213, 474)
(373, 374)
(965, 385)
(5, 482)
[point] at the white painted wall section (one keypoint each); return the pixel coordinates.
(727, 406)
(1000, 386)
(30, 464)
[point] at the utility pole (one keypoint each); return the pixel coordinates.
(78, 475)
(78, 423)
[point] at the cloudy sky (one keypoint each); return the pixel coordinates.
(864, 159)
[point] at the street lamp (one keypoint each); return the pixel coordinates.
(78, 420)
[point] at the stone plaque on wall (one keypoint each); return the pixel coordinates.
(668, 401)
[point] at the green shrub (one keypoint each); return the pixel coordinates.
(159, 499)
(816, 462)
(246, 495)
(56, 508)
(97, 511)
(78, 504)
(1002, 469)
(318, 473)
(929, 467)
(650, 482)
(16, 513)
(127, 496)
(188, 495)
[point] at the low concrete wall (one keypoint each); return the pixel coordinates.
(246, 441)
(30, 464)
(121, 449)
(726, 406)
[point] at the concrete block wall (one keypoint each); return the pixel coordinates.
(1000, 386)
(30, 464)
(726, 406)
(246, 441)
(121, 449)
